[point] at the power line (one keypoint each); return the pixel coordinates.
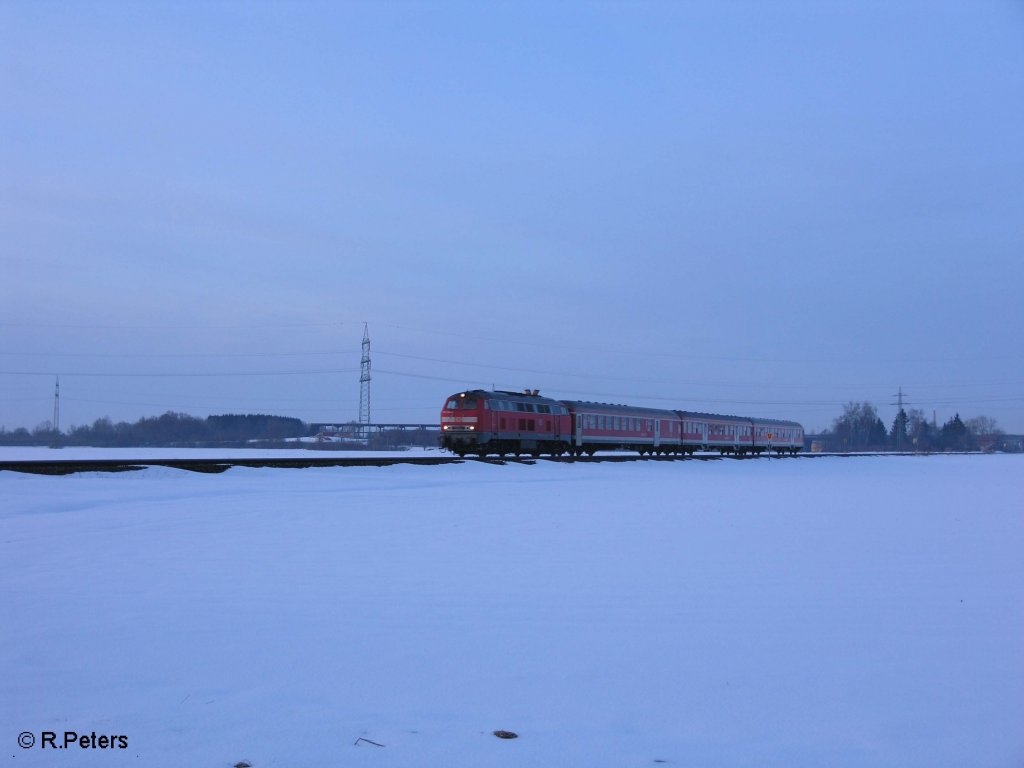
(180, 374)
(233, 407)
(606, 350)
(173, 354)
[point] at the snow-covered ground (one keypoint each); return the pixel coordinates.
(77, 453)
(840, 611)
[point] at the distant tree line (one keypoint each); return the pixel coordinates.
(859, 428)
(231, 430)
(169, 429)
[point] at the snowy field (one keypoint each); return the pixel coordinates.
(836, 611)
(77, 453)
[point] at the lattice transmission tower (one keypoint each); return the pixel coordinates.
(901, 423)
(56, 406)
(364, 386)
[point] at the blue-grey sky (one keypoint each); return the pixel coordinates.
(758, 208)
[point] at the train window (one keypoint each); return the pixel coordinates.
(469, 403)
(522, 425)
(544, 409)
(452, 405)
(520, 406)
(487, 405)
(602, 422)
(529, 425)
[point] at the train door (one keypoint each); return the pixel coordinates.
(579, 429)
(657, 432)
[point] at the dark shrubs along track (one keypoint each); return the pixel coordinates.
(71, 466)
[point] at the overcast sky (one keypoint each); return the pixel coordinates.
(759, 208)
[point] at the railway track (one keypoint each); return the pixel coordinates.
(213, 466)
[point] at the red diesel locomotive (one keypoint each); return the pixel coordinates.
(500, 422)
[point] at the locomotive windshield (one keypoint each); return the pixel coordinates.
(461, 404)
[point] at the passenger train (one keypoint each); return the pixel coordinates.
(499, 422)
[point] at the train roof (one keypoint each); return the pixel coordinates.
(744, 419)
(616, 408)
(532, 396)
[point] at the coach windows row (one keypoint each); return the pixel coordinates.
(616, 423)
(508, 405)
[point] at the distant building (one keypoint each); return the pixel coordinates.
(1007, 443)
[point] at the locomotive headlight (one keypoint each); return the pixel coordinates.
(472, 428)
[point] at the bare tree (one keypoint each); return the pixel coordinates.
(983, 425)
